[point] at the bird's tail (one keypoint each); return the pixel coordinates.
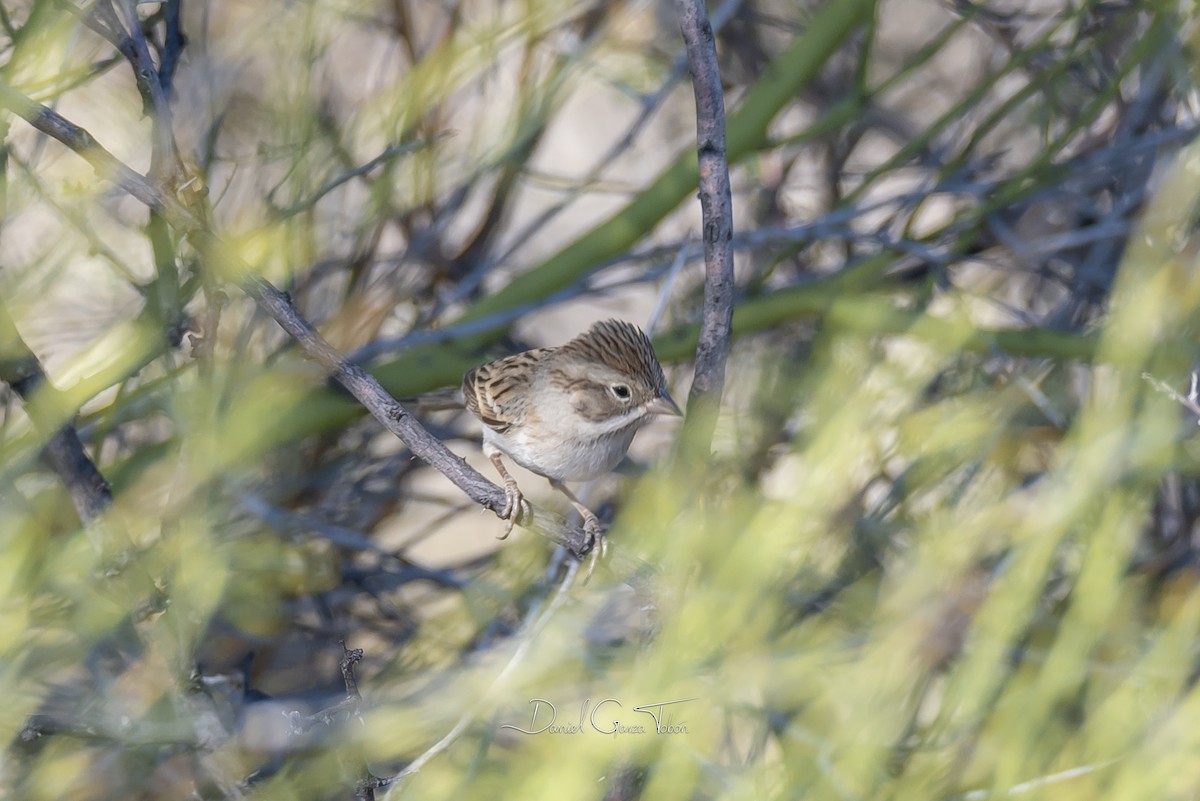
(437, 401)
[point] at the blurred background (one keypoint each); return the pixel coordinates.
(944, 546)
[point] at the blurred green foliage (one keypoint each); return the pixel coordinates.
(944, 546)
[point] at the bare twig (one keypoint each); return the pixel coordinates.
(107, 166)
(389, 153)
(173, 44)
(664, 293)
(132, 44)
(365, 783)
(717, 213)
(1191, 401)
(63, 451)
(1039, 782)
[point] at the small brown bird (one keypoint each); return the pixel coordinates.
(568, 413)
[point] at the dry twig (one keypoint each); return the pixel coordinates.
(717, 214)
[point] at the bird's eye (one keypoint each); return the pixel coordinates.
(621, 391)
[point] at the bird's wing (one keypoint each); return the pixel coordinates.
(498, 392)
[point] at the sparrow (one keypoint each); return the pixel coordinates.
(568, 413)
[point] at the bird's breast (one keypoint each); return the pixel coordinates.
(561, 457)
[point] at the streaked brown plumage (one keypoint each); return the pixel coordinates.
(568, 413)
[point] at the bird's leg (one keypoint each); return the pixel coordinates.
(515, 505)
(591, 523)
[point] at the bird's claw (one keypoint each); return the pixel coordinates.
(597, 543)
(515, 507)
(595, 534)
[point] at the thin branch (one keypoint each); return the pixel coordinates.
(716, 205)
(365, 783)
(664, 293)
(174, 41)
(106, 165)
(389, 153)
(1191, 401)
(63, 451)
(387, 410)
(1038, 783)
(132, 44)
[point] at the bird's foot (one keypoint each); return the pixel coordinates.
(597, 543)
(595, 534)
(515, 507)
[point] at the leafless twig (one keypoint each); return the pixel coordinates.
(173, 43)
(717, 213)
(1191, 401)
(63, 451)
(366, 783)
(132, 44)
(387, 154)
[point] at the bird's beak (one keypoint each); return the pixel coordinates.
(664, 404)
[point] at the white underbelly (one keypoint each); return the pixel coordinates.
(561, 461)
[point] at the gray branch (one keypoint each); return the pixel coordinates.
(716, 207)
(63, 451)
